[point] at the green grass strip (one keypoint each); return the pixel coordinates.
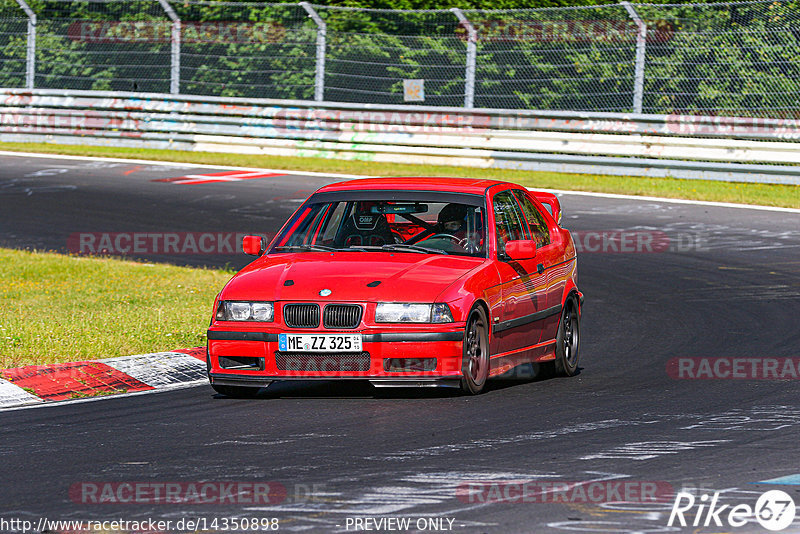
(61, 308)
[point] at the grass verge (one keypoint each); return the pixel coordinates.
(59, 308)
(763, 194)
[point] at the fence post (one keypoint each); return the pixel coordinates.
(322, 35)
(641, 43)
(175, 40)
(472, 53)
(30, 52)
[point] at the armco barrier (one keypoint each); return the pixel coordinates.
(717, 148)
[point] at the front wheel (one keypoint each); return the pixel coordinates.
(568, 340)
(237, 392)
(475, 353)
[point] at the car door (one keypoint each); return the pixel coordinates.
(548, 260)
(523, 288)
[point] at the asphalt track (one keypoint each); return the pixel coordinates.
(728, 286)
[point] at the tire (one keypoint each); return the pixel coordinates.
(475, 352)
(237, 392)
(568, 340)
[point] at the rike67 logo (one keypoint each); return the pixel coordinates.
(774, 510)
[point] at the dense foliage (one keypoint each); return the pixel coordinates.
(727, 59)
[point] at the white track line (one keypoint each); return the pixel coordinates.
(357, 176)
(182, 165)
(674, 200)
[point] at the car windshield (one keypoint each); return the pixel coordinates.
(423, 225)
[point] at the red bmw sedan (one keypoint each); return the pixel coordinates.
(402, 282)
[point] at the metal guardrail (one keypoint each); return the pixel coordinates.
(716, 148)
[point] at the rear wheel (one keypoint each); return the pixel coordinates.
(475, 355)
(568, 340)
(237, 392)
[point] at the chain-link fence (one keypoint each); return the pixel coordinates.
(740, 59)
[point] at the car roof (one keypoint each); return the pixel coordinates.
(419, 183)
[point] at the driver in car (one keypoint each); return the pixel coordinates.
(452, 221)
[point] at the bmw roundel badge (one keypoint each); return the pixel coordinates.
(324, 292)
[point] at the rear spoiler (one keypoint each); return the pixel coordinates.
(550, 202)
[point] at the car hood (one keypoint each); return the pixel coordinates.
(350, 276)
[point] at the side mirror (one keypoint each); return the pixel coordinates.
(521, 250)
(253, 245)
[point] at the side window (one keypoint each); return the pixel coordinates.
(536, 223)
(509, 223)
(313, 228)
(334, 222)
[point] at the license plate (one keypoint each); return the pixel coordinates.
(319, 342)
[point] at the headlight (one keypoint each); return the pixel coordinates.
(229, 310)
(401, 312)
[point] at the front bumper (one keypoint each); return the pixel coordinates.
(407, 381)
(423, 355)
